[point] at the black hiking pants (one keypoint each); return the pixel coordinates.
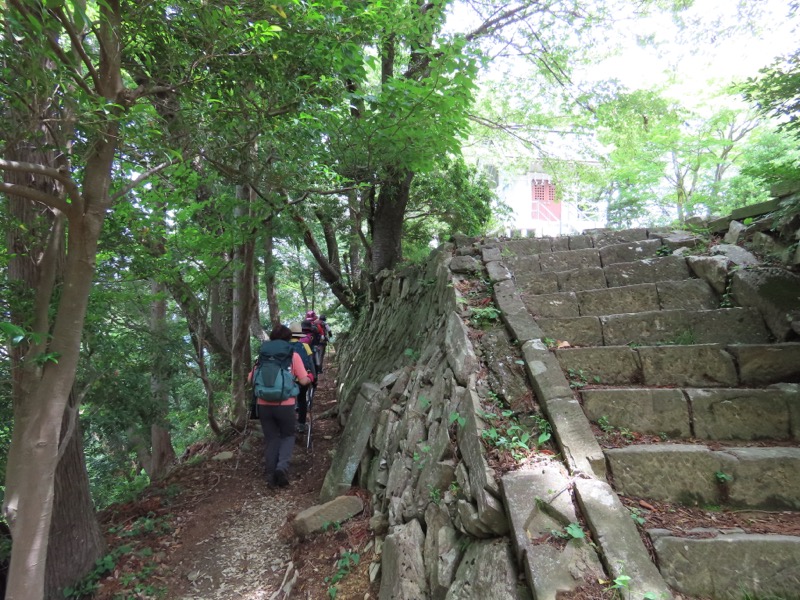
(302, 404)
(277, 423)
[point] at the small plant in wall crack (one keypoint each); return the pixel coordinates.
(344, 564)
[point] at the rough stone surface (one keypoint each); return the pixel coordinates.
(652, 411)
(767, 478)
(735, 230)
(737, 255)
(464, 264)
(774, 292)
(765, 364)
(578, 331)
(538, 502)
(691, 294)
(606, 237)
(651, 270)
(442, 551)
(460, 354)
(669, 472)
(572, 259)
(491, 254)
(579, 242)
(713, 269)
(614, 366)
(316, 518)
(705, 365)
(506, 377)
(609, 301)
(740, 414)
(574, 437)
(515, 315)
(488, 570)
(539, 283)
(544, 372)
(563, 304)
(616, 534)
(731, 567)
(497, 271)
(629, 252)
(354, 440)
(402, 567)
(576, 280)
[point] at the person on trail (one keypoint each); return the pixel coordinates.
(301, 343)
(277, 418)
(318, 341)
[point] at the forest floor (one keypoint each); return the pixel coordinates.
(212, 530)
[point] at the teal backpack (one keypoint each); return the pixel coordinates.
(273, 380)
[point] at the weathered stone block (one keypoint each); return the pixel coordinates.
(743, 414)
(574, 436)
(669, 472)
(646, 328)
(644, 410)
(572, 259)
(536, 506)
(316, 518)
(731, 567)
(612, 301)
(607, 237)
(491, 254)
(558, 305)
(650, 270)
(767, 478)
(497, 271)
(355, 437)
(736, 255)
(713, 269)
(442, 550)
(629, 252)
(402, 566)
(578, 331)
(616, 533)
(538, 283)
(690, 294)
(560, 244)
(579, 242)
(587, 278)
(767, 363)
(705, 365)
(544, 372)
(774, 292)
(523, 266)
(487, 570)
(514, 314)
(460, 355)
(613, 366)
(728, 326)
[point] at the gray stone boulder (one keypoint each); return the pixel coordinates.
(488, 570)
(460, 355)
(464, 264)
(402, 565)
(317, 518)
(737, 255)
(714, 269)
(774, 292)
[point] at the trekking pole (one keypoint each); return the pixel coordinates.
(309, 414)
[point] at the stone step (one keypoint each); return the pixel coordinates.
(728, 565)
(666, 327)
(690, 294)
(700, 366)
(706, 413)
(759, 478)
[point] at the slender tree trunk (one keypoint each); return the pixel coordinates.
(76, 540)
(269, 278)
(242, 310)
(162, 454)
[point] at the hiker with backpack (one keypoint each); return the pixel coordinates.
(318, 339)
(275, 379)
(301, 342)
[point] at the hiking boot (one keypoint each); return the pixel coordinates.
(301, 428)
(271, 482)
(281, 478)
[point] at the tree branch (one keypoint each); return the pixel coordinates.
(77, 44)
(144, 176)
(28, 193)
(58, 174)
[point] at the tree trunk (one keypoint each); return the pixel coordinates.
(241, 313)
(387, 219)
(269, 278)
(162, 454)
(76, 540)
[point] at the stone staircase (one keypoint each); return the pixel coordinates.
(626, 331)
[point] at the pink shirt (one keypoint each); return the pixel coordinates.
(298, 370)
